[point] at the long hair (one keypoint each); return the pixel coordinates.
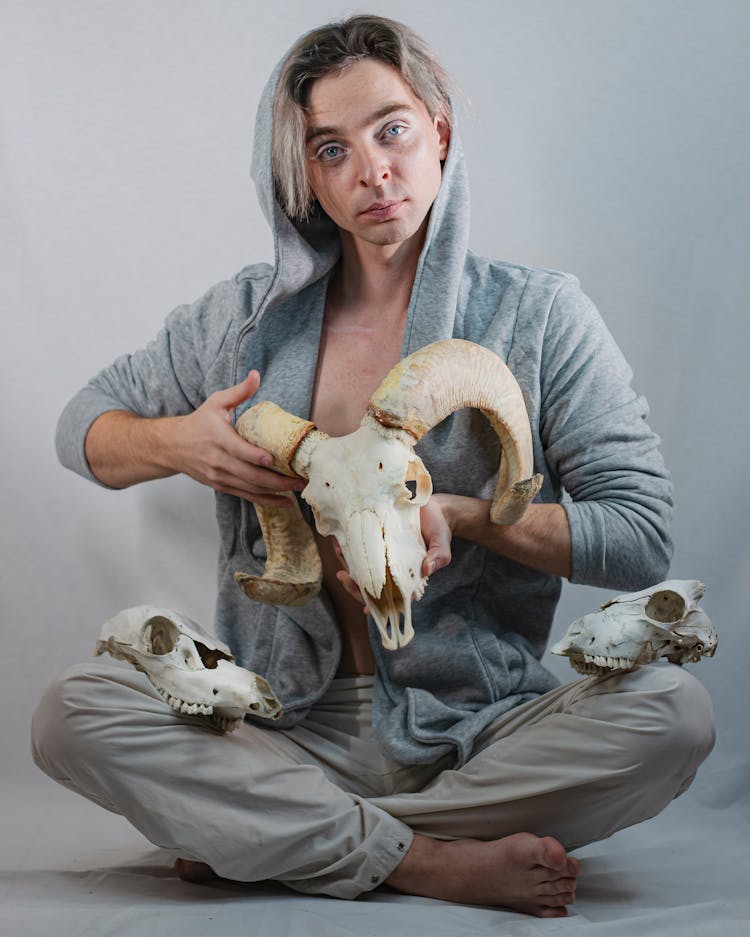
(329, 49)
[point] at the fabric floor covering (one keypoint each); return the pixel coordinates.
(70, 869)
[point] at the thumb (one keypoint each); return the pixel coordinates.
(233, 396)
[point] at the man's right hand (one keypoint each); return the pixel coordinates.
(123, 449)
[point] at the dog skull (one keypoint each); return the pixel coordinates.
(634, 629)
(195, 674)
(357, 484)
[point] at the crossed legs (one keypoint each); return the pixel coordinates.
(318, 808)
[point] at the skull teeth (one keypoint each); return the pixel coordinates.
(598, 664)
(609, 663)
(222, 723)
(226, 723)
(188, 709)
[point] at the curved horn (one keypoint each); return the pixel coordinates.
(429, 385)
(293, 572)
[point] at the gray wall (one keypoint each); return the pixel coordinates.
(604, 138)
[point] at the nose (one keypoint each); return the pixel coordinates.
(373, 168)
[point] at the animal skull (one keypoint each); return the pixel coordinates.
(634, 629)
(195, 674)
(357, 484)
(379, 531)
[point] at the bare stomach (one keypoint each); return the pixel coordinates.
(356, 652)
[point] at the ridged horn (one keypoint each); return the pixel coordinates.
(293, 572)
(277, 431)
(429, 385)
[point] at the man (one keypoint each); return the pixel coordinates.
(454, 767)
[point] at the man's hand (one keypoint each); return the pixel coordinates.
(208, 448)
(123, 449)
(437, 532)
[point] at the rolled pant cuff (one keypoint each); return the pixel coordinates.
(384, 854)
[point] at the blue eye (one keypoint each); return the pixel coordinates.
(331, 151)
(395, 131)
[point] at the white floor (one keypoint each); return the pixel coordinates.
(69, 869)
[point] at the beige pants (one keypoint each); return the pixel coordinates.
(319, 808)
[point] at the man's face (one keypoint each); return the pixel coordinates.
(373, 152)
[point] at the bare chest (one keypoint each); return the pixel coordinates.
(352, 363)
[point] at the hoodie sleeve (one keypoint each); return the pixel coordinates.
(600, 447)
(166, 378)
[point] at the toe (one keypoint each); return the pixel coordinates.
(557, 886)
(196, 872)
(554, 856)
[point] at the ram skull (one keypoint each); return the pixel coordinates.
(193, 673)
(358, 484)
(635, 629)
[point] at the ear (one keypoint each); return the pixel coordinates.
(444, 134)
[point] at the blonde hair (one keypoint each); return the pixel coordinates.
(328, 49)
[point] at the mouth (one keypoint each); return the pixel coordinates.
(383, 210)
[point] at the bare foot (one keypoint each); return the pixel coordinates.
(197, 872)
(523, 872)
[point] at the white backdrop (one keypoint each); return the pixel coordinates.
(604, 138)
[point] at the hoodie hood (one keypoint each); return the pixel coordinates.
(305, 252)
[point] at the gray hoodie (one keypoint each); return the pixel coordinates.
(482, 625)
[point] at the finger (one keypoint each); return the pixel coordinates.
(251, 454)
(265, 481)
(351, 587)
(252, 483)
(244, 462)
(340, 554)
(265, 501)
(233, 396)
(438, 555)
(437, 536)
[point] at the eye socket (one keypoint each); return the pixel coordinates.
(417, 483)
(666, 607)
